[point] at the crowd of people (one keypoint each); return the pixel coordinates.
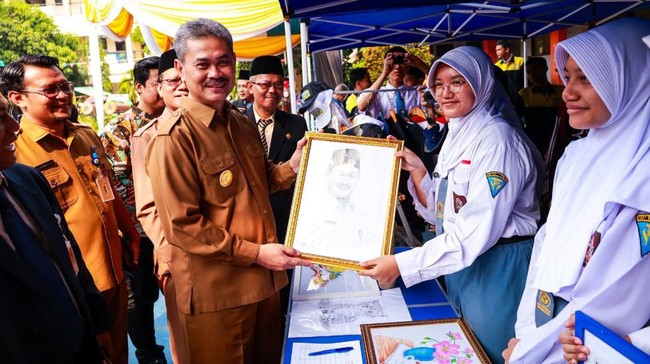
(190, 194)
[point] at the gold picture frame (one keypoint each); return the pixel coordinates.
(422, 341)
(343, 207)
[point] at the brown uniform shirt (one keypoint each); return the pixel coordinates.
(68, 168)
(211, 182)
(145, 207)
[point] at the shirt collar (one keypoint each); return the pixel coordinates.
(258, 117)
(507, 60)
(36, 133)
(3, 181)
(204, 113)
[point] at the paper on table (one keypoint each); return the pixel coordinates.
(342, 316)
(300, 353)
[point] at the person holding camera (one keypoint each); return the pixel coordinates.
(396, 63)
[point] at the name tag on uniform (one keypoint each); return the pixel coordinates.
(105, 189)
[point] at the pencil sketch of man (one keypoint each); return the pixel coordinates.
(336, 227)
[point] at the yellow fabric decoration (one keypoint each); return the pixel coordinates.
(102, 11)
(122, 25)
(163, 41)
(254, 47)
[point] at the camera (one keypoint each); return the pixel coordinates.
(428, 98)
(398, 59)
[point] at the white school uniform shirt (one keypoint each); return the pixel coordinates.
(386, 100)
(483, 219)
(641, 339)
(612, 289)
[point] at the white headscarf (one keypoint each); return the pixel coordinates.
(491, 105)
(611, 165)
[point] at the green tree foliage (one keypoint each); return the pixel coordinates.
(24, 29)
(372, 58)
(136, 36)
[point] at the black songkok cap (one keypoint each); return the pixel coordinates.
(267, 65)
(166, 61)
(244, 74)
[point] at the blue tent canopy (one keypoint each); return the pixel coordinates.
(354, 23)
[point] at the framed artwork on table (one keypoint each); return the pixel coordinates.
(429, 341)
(605, 346)
(344, 201)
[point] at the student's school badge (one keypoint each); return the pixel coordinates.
(643, 224)
(459, 202)
(496, 181)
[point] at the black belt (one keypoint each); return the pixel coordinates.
(513, 239)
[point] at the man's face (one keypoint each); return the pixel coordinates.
(396, 75)
(208, 70)
(242, 90)
(343, 180)
(149, 98)
(502, 53)
(171, 88)
(266, 95)
(8, 129)
(363, 83)
(38, 107)
(536, 74)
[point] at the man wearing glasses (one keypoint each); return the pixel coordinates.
(171, 88)
(142, 285)
(279, 132)
(73, 161)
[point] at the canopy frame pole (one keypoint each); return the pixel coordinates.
(304, 37)
(96, 73)
(289, 59)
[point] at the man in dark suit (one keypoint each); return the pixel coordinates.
(280, 133)
(52, 310)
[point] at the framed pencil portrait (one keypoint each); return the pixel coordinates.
(605, 346)
(344, 201)
(428, 341)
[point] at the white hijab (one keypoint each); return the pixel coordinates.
(491, 105)
(611, 165)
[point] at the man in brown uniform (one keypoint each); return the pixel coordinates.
(72, 159)
(171, 88)
(211, 182)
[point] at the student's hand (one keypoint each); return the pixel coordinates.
(383, 269)
(572, 346)
(279, 257)
(294, 162)
(511, 347)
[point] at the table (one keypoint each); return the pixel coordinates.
(425, 301)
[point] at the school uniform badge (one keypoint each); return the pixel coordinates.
(496, 182)
(643, 224)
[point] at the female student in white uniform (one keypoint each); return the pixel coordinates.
(592, 254)
(482, 198)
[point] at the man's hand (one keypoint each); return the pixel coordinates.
(133, 241)
(572, 346)
(294, 162)
(383, 269)
(508, 352)
(414, 61)
(279, 257)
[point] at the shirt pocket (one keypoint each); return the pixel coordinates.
(62, 186)
(222, 178)
(460, 186)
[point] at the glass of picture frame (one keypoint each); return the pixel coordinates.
(344, 201)
(605, 346)
(428, 341)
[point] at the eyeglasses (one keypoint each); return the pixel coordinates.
(52, 91)
(172, 82)
(267, 85)
(454, 87)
